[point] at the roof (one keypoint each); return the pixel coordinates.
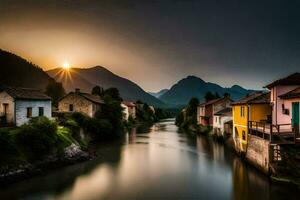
(89, 97)
(213, 101)
(291, 94)
(224, 112)
(129, 103)
(25, 93)
(293, 79)
(255, 98)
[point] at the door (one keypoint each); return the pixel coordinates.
(295, 115)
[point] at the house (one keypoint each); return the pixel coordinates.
(80, 102)
(129, 109)
(285, 101)
(19, 105)
(255, 107)
(222, 123)
(206, 111)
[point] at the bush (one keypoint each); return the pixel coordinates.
(72, 125)
(80, 118)
(7, 146)
(37, 138)
(99, 128)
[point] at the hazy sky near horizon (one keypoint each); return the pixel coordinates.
(155, 43)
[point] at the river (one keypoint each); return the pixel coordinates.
(155, 163)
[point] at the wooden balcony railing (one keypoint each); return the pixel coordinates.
(279, 133)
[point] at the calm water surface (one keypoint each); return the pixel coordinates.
(155, 163)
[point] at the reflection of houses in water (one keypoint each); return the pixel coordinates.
(247, 183)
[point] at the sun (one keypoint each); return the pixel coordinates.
(66, 66)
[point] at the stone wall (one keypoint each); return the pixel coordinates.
(258, 153)
(80, 104)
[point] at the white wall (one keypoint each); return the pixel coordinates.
(21, 110)
(219, 122)
(125, 111)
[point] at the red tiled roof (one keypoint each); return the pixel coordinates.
(293, 79)
(89, 97)
(224, 112)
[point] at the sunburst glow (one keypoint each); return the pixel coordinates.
(66, 65)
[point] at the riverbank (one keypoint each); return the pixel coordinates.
(13, 173)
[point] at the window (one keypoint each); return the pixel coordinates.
(71, 107)
(216, 119)
(242, 111)
(41, 111)
(243, 135)
(285, 111)
(29, 112)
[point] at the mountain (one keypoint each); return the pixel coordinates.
(159, 93)
(193, 86)
(87, 78)
(16, 71)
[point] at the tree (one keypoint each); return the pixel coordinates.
(209, 96)
(55, 90)
(97, 90)
(113, 93)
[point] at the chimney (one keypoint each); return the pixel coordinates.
(77, 90)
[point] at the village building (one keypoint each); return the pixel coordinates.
(252, 108)
(80, 102)
(222, 123)
(129, 109)
(285, 102)
(206, 111)
(19, 105)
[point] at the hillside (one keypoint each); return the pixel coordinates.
(86, 78)
(159, 93)
(192, 86)
(16, 71)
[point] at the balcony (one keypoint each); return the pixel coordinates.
(276, 134)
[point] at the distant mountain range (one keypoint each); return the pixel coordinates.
(87, 78)
(16, 71)
(159, 93)
(193, 86)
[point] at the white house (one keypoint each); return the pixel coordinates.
(19, 105)
(222, 122)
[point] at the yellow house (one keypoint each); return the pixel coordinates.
(255, 107)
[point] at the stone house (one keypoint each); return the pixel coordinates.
(206, 111)
(19, 105)
(129, 109)
(80, 102)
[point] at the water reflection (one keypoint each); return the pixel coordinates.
(157, 164)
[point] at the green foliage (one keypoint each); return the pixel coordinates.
(187, 119)
(79, 118)
(55, 90)
(97, 90)
(37, 138)
(99, 128)
(144, 113)
(179, 118)
(72, 125)
(162, 114)
(113, 93)
(210, 96)
(7, 146)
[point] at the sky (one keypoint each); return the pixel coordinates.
(155, 43)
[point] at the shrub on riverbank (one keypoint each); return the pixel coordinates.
(187, 118)
(37, 138)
